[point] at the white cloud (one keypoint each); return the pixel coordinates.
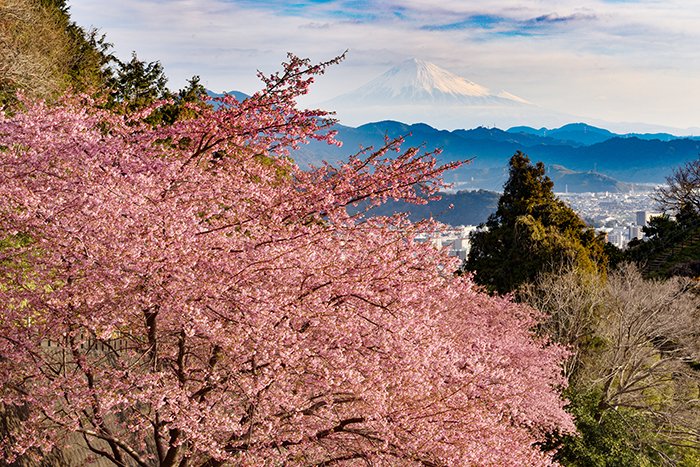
(626, 61)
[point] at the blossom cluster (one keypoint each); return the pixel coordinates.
(188, 292)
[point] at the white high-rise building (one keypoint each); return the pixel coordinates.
(635, 231)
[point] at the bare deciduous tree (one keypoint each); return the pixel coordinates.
(682, 190)
(571, 301)
(636, 340)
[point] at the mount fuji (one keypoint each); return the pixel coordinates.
(418, 82)
(418, 91)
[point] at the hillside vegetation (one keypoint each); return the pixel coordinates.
(460, 208)
(43, 53)
(633, 371)
(672, 243)
(600, 166)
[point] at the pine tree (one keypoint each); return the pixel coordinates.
(137, 83)
(532, 231)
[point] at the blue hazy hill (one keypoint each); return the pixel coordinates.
(627, 158)
(590, 158)
(584, 134)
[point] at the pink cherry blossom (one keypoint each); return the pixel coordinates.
(187, 295)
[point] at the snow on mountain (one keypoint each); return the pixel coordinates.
(241, 96)
(507, 95)
(418, 91)
(418, 82)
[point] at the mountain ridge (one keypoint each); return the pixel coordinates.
(586, 134)
(624, 158)
(600, 160)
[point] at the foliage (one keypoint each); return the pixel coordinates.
(673, 243)
(615, 255)
(193, 297)
(180, 108)
(681, 194)
(532, 231)
(605, 437)
(660, 227)
(633, 386)
(43, 53)
(138, 84)
(671, 246)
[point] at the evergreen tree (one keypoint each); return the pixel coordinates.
(138, 84)
(531, 231)
(193, 93)
(672, 242)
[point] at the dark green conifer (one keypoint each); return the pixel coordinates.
(532, 231)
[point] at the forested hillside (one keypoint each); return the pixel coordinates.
(634, 371)
(602, 165)
(460, 208)
(43, 53)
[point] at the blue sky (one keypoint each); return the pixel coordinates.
(605, 60)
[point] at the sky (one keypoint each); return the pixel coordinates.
(617, 61)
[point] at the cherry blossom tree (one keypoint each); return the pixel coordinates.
(186, 295)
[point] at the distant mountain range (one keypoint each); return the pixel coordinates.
(589, 158)
(583, 134)
(579, 157)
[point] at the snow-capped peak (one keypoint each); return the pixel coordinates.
(507, 95)
(419, 91)
(417, 82)
(420, 75)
